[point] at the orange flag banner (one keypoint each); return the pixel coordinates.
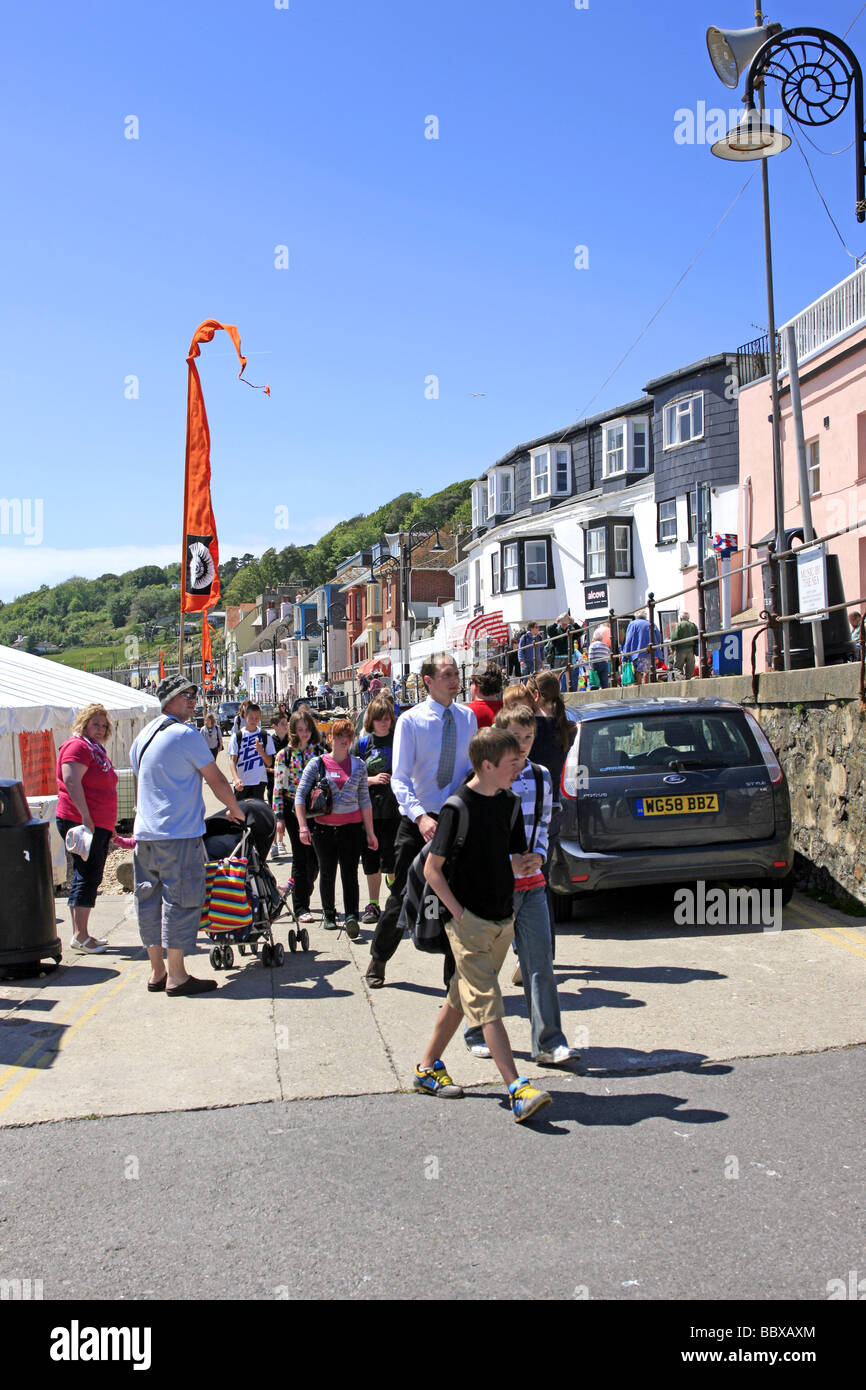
(200, 587)
(206, 657)
(161, 666)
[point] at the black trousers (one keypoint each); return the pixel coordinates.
(386, 937)
(339, 845)
(305, 865)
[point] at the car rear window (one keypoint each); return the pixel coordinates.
(641, 742)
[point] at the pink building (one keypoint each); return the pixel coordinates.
(831, 352)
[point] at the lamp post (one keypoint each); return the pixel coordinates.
(817, 74)
(407, 545)
(273, 643)
(327, 621)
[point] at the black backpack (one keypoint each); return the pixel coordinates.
(422, 913)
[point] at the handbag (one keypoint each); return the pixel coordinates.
(320, 799)
(594, 679)
(226, 902)
(628, 672)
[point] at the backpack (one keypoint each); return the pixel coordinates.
(422, 913)
(377, 758)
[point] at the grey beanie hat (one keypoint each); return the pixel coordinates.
(172, 686)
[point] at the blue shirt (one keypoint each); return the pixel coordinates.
(417, 747)
(638, 637)
(170, 800)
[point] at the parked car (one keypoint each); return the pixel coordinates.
(659, 791)
(227, 713)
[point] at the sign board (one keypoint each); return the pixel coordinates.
(595, 596)
(728, 656)
(812, 578)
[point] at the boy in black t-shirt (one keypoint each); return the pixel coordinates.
(480, 898)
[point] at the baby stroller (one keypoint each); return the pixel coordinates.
(224, 839)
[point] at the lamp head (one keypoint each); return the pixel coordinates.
(732, 50)
(753, 137)
(437, 544)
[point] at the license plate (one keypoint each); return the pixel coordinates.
(686, 805)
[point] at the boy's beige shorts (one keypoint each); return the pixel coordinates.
(479, 949)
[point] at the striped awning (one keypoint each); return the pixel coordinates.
(484, 625)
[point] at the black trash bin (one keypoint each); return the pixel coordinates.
(28, 929)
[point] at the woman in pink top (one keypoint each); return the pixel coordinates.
(338, 838)
(87, 795)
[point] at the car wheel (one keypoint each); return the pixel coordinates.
(563, 907)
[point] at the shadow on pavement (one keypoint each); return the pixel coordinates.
(579, 1108)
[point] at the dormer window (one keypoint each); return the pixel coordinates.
(550, 470)
(500, 492)
(479, 505)
(684, 420)
(626, 446)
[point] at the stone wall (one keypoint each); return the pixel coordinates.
(814, 721)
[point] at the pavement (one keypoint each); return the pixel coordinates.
(637, 992)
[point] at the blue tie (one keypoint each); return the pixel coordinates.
(448, 754)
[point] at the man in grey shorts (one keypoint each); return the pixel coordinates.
(170, 758)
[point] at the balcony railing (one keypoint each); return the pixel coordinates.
(816, 328)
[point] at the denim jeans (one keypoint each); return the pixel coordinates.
(532, 943)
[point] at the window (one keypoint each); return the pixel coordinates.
(813, 464)
(494, 572)
(461, 591)
(622, 550)
(535, 560)
(625, 447)
(500, 492)
(692, 499)
(510, 566)
(540, 474)
(374, 600)
(596, 553)
(479, 588)
(667, 522)
(562, 473)
(684, 421)
(479, 505)
(388, 596)
(608, 549)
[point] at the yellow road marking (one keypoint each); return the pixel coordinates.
(43, 1060)
(848, 937)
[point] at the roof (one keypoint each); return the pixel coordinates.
(38, 694)
(706, 364)
(657, 704)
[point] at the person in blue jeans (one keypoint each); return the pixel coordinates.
(532, 940)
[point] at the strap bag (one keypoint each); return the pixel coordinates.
(227, 906)
(320, 798)
(594, 679)
(628, 672)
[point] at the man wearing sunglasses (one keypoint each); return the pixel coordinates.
(170, 758)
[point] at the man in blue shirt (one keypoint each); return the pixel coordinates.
(170, 758)
(430, 761)
(636, 645)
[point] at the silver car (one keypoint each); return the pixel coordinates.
(660, 791)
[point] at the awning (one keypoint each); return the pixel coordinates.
(486, 625)
(362, 637)
(377, 665)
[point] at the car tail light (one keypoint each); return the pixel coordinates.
(773, 765)
(568, 781)
(580, 878)
(780, 863)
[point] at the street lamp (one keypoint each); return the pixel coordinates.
(407, 545)
(273, 643)
(327, 621)
(817, 73)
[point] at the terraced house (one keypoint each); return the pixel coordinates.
(592, 517)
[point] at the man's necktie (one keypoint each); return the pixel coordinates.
(448, 754)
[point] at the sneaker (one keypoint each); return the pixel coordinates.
(329, 923)
(371, 914)
(351, 928)
(435, 1081)
(525, 1099)
(275, 853)
(91, 944)
(516, 978)
(306, 917)
(558, 1055)
(478, 1049)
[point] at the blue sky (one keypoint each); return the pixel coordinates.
(408, 257)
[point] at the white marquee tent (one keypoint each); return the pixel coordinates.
(36, 695)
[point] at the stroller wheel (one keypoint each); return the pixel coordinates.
(304, 938)
(293, 940)
(267, 955)
(279, 953)
(216, 958)
(228, 957)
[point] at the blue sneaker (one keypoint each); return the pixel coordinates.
(525, 1099)
(435, 1081)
